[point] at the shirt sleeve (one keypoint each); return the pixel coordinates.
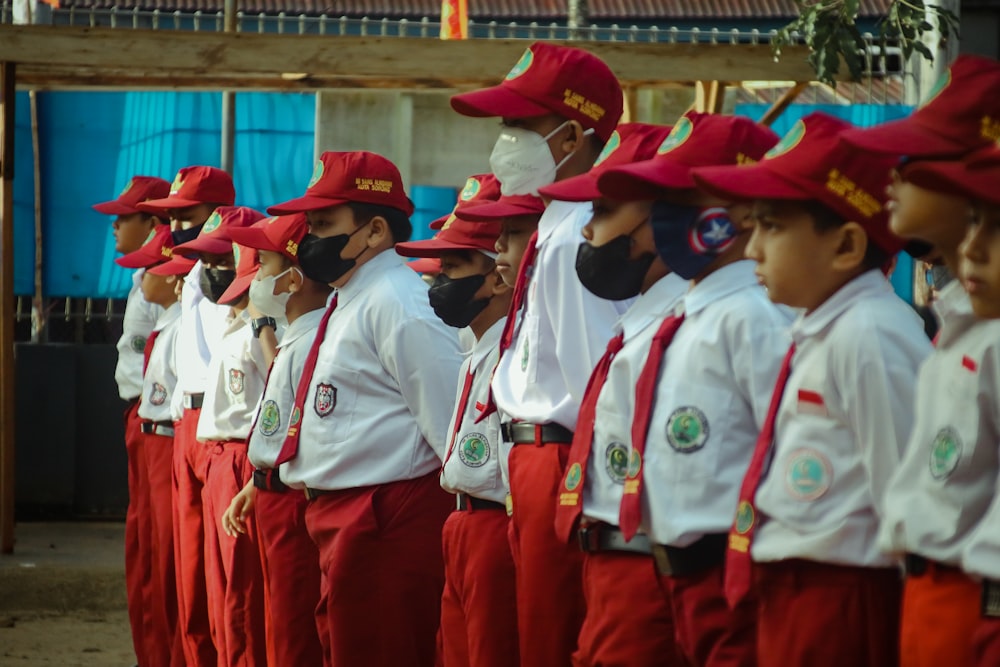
(758, 351)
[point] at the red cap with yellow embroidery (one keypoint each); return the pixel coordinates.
(812, 163)
(281, 234)
(247, 263)
(193, 186)
(346, 177)
(478, 189)
(139, 189)
(976, 176)
(215, 236)
(157, 249)
(563, 80)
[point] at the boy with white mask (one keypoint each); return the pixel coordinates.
(290, 559)
(559, 106)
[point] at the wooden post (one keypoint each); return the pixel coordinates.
(782, 103)
(228, 101)
(7, 307)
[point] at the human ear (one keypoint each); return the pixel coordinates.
(851, 245)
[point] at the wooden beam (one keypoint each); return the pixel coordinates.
(7, 306)
(456, 62)
(709, 96)
(782, 103)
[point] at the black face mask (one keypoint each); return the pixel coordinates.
(607, 270)
(320, 257)
(180, 236)
(452, 299)
(214, 282)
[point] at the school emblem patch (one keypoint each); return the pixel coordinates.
(744, 517)
(808, 474)
(127, 188)
(296, 416)
(326, 399)
(712, 232)
(522, 65)
(317, 174)
(613, 143)
(213, 223)
(474, 450)
(946, 452)
(236, 380)
(687, 429)
(573, 477)
(679, 133)
(158, 394)
(270, 418)
(789, 141)
(138, 344)
(617, 464)
(470, 190)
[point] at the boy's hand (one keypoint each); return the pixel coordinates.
(234, 518)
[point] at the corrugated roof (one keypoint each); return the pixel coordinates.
(599, 10)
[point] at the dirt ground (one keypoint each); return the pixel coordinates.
(72, 639)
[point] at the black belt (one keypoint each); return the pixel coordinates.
(991, 598)
(193, 401)
(525, 433)
(157, 428)
(597, 537)
(707, 552)
(267, 479)
(313, 494)
(917, 566)
(465, 502)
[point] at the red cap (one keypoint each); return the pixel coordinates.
(563, 80)
(281, 234)
(193, 186)
(975, 177)
(457, 234)
(156, 249)
(812, 163)
(478, 189)
(139, 189)
(247, 263)
(697, 140)
(508, 206)
(962, 113)
(630, 142)
(355, 176)
(177, 266)
(425, 265)
(214, 237)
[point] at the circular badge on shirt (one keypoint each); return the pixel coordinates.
(474, 450)
(158, 394)
(573, 477)
(138, 344)
(744, 517)
(616, 462)
(808, 474)
(946, 451)
(270, 418)
(687, 429)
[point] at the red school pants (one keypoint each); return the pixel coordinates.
(190, 461)
(162, 637)
(233, 576)
(479, 607)
(550, 604)
(382, 571)
(940, 613)
(290, 564)
(709, 633)
(138, 566)
(628, 622)
(825, 615)
(986, 642)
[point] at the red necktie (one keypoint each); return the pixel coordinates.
(516, 301)
(738, 561)
(291, 446)
(570, 505)
(463, 401)
(630, 512)
(147, 351)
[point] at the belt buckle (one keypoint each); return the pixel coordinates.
(506, 431)
(662, 559)
(589, 538)
(991, 598)
(311, 494)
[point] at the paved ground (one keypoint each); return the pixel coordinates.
(62, 596)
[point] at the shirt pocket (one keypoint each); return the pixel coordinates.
(332, 400)
(475, 460)
(527, 347)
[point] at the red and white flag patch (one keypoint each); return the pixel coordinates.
(811, 402)
(969, 364)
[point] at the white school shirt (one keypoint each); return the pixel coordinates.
(235, 383)
(374, 413)
(473, 465)
(711, 400)
(160, 380)
(844, 419)
(947, 480)
(139, 319)
(564, 328)
(202, 326)
(615, 409)
(279, 395)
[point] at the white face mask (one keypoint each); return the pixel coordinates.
(522, 161)
(265, 300)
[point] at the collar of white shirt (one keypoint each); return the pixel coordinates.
(303, 324)
(718, 285)
(168, 316)
(555, 213)
(653, 305)
(870, 283)
(952, 301)
(487, 344)
(366, 274)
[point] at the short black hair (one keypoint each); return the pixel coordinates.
(825, 218)
(399, 222)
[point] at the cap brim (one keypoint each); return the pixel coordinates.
(425, 265)
(163, 205)
(440, 222)
(178, 266)
(236, 289)
(746, 183)
(435, 248)
(496, 101)
(204, 245)
(137, 260)
(114, 208)
(956, 178)
(304, 204)
(253, 237)
(578, 188)
(645, 180)
(497, 211)
(903, 137)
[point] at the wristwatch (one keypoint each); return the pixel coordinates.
(262, 322)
